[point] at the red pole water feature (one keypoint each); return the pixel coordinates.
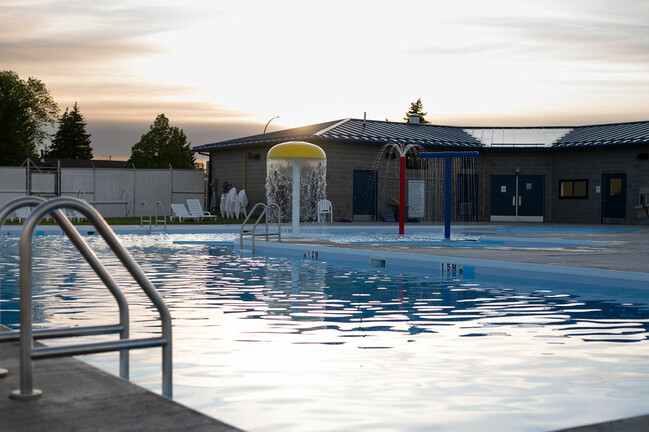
(402, 193)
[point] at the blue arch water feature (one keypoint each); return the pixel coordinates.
(448, 157)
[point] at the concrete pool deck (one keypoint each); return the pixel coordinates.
(626, 247)
(80, 397)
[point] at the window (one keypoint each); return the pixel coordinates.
(573, 189)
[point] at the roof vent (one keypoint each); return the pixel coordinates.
(413, 118)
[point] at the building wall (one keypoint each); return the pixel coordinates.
(592, 164)
(555, 165)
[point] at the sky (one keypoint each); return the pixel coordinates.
(222, 69)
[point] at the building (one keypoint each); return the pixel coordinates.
(581, 174)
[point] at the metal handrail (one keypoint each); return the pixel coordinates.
(148, 213)
(122, 328)
(253, 231)
(164, 214)
(148, 218)
(28, 352)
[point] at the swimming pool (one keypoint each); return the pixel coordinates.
(269, 343)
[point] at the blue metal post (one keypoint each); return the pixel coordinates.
(447, 156)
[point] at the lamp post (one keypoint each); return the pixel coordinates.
(265, 127)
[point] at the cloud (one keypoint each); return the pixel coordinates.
(603, 39)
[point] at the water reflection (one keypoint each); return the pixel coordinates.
(318, 347)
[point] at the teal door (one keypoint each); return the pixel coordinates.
(614, 198)
(531, 195)
(364, 192)
(502, 197)
(515, 198)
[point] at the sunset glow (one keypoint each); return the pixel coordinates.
(220, 70)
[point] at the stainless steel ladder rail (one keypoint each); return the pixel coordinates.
(164, 214)
(145, 205)
(28, 352)
(252, 232)
(147, 218)
(122, 328)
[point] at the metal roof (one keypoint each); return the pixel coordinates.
(606, 134)
(427, 135)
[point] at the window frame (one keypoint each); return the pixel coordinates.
(573, 196)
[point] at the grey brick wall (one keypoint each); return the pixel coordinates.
(560, 164)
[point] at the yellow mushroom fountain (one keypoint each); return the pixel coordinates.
(306, 166)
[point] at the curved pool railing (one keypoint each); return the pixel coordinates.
(122, 328)
(159, 205)
(27, 335)
(162, 220)
(147, 218)
(252, 231)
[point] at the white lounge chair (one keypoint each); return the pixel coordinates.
(196, 210)
(241, 203)
(21, 214)
(179, 211)
(325, 208)
(74, 215)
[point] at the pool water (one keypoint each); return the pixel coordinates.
(272, 344)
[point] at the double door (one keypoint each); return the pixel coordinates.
(517, 198)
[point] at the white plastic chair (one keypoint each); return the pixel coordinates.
(196, 210)
(229, 202)
(179, 211)
(241, 204)
(325, 208)
(222, 205)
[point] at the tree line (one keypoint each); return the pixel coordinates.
(27, 111)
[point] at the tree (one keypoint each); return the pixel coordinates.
(417, 108)
(162, 146)
(71, 140)
(26, 109)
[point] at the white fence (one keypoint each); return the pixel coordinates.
(106, 186)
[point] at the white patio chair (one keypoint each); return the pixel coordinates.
(241, 203)
(325, 208)
(179, 211)
(229, 202)
(222, 204)
(196, 210)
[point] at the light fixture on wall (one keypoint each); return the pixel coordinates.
(255, 156)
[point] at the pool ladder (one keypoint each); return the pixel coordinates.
(147, 218)
(26, 335)
(252, 231)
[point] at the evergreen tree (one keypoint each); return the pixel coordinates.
(71, 140)
(162, 146)
(26, 109)
(417, 108)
